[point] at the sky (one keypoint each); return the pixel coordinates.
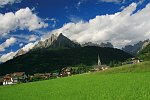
(25, 22)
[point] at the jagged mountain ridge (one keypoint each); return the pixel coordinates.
(55, 42)
(134, 49)
(108, 44)
(60, 41)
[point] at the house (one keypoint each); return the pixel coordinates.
(43, 75)
(39, 76)
(7, 80)
(134, 61)
(65, 72)
(48, 75)
(19, 77)
(14, 78)
(1, 81)
(100, 67)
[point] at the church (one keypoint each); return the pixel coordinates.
(99, 65)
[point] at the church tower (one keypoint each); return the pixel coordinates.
(99, 62)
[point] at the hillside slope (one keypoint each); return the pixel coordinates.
(134, 68)
(145, 53)
(46, 60)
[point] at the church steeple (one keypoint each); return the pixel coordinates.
(99, 62)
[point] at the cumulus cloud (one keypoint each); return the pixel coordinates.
(5, 2)
(7, 43)
(121, 28)
(7, 56)
(22, 19)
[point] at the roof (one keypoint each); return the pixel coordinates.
(18, 74)
(7, 77)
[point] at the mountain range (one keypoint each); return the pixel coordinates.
(58, 52)
(60, 41)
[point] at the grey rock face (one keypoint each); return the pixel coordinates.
(134, 49)
(108, 44)
(57, 42)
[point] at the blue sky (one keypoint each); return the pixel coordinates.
(27, 21)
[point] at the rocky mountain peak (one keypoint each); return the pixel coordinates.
(59, 41)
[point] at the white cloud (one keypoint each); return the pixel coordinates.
(21, 44)
(7, 56)
(120, 28)
(22, 19)
(26, 38)
(11, 55)
(7, 43)
(5, 2)
(33, 38)
(28, 20)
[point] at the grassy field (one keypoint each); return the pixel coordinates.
(129, 82)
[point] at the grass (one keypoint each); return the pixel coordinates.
(129, 82)
(140, 67)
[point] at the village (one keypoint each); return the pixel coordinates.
(22, 77)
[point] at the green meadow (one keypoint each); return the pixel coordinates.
(128, 82)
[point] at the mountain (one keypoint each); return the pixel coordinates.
(108, 44)
(47, 60)
(56, 42)
(134, 49)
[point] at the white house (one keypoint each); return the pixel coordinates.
(7, 80)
